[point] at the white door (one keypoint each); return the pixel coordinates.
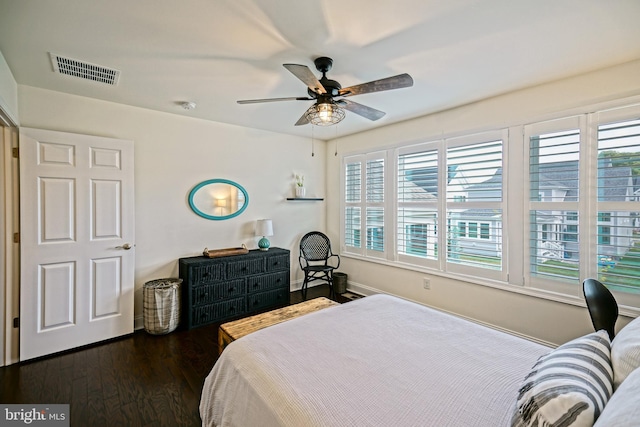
(77, 239)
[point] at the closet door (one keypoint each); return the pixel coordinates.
(77, 240)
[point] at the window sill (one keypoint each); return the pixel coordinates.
(625, 310)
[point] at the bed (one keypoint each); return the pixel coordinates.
(384, 361)
(376, 361)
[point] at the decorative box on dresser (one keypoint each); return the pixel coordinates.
(218, 289)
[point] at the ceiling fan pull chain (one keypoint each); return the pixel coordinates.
(313, 151)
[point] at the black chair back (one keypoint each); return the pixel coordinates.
(315, 246)
(602, 306)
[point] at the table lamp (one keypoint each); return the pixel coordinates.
(264, 228)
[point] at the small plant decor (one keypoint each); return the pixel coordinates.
(300, 190)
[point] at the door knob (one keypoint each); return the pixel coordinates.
(126, 247)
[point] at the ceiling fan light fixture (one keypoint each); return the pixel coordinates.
(325, 114)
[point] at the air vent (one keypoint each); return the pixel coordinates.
(84, 70)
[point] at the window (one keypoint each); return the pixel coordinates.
(353, 191)
(570, 233)
(417, 204)
(604, 231)
(364, 235)
(554, 184)
(474, 191)
(572, 211)
(473, 230)
(484, 231)
(618, 188)
(375, 209)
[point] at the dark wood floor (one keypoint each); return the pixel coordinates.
(138, 380)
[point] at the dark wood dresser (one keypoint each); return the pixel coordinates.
(218, 289)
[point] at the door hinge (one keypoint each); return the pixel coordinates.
(16, 237)
(16, 322)
(15, 152)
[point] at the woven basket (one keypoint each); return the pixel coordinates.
(161, 305)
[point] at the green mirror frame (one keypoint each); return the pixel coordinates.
(229, 199)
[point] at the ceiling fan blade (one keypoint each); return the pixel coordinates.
(303, 119)
(256, 101)
(304, 73)
(395, 82)
(362, 110)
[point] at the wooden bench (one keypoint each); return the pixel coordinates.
(231, 331)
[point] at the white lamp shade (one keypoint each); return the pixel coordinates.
(264, 227)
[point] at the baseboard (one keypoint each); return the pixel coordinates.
(138, 323)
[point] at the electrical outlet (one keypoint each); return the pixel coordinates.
(426, 283)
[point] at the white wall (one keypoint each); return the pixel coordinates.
(544, 319)
(8, 91)
(173, 153)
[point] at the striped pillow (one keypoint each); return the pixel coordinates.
(569, 386)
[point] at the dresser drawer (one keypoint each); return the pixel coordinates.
(216, 312)
(261, 300)
(277, 263)
(268, 281)
(207, 273)
(206, 294)
(244, 267)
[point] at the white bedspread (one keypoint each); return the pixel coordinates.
(377, 361)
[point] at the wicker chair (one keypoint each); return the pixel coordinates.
(316, 259)
(602, 306)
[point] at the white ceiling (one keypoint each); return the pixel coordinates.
(214, 52)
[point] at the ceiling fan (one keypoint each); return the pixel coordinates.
(329, 94)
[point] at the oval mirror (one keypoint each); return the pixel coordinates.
(218, 199)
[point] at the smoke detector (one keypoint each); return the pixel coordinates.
(188, 105)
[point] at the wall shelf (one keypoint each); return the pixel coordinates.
(309, 199)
